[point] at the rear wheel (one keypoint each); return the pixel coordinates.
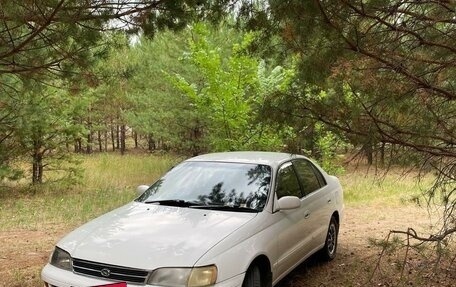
(328, 252)
(252, 277)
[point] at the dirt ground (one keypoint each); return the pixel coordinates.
(24, 252)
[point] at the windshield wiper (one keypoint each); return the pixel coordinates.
(174, 202)
(225, 208)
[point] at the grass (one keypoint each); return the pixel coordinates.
(393, 188)
(108, 181)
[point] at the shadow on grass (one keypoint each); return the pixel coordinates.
(351, 267)
(304, 272)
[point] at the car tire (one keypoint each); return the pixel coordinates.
(328, 252)
(252, 277)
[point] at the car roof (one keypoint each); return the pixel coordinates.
(273, 159)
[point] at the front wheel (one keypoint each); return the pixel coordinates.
(252, 277)
(328, 252)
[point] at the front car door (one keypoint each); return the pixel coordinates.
(292, 233)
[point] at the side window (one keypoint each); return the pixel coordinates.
(307, 176)
(287, 183)
(320, 177)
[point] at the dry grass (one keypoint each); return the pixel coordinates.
(108, 181)
(394, 187)
(110, 171)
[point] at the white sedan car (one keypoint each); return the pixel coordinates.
(224, 219)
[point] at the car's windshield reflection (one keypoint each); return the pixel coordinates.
(245, 186)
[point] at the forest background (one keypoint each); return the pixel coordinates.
(372, 82)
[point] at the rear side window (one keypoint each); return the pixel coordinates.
(307, 176)
(288, 184)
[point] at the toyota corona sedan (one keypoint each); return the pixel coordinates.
(224, 219)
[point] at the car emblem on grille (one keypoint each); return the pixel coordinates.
(105, 272)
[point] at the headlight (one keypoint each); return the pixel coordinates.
(61, 259)
(184, 277)
(203, 276)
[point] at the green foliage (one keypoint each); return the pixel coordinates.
(330, 146)
(44, 128)
(46, 39)
(211, 100)
(8, 106)
(387, 69)
(231, 92)
(157, 109)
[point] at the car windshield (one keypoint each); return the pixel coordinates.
(213, 184)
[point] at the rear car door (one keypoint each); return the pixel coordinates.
(317, 202)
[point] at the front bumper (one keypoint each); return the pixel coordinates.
(56, 277)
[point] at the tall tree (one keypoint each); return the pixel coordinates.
(160, 113)
(392, 54)
(44, 128)
(231, 91)
(388, 69)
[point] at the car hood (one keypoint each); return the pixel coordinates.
(149, 236)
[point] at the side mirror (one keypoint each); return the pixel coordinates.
(288, 202)
(140, 189)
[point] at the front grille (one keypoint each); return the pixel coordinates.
(111, 272)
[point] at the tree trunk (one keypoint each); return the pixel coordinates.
(78, 146)
(100, 145)
(113, 139)
(122, 139)
(118, 137)
(89, 142)
(382, 154)
(195, 140)
(151, 143)
(89, 147)
(37, 166)
(368, 151)
(105, 140)
(135, 137)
